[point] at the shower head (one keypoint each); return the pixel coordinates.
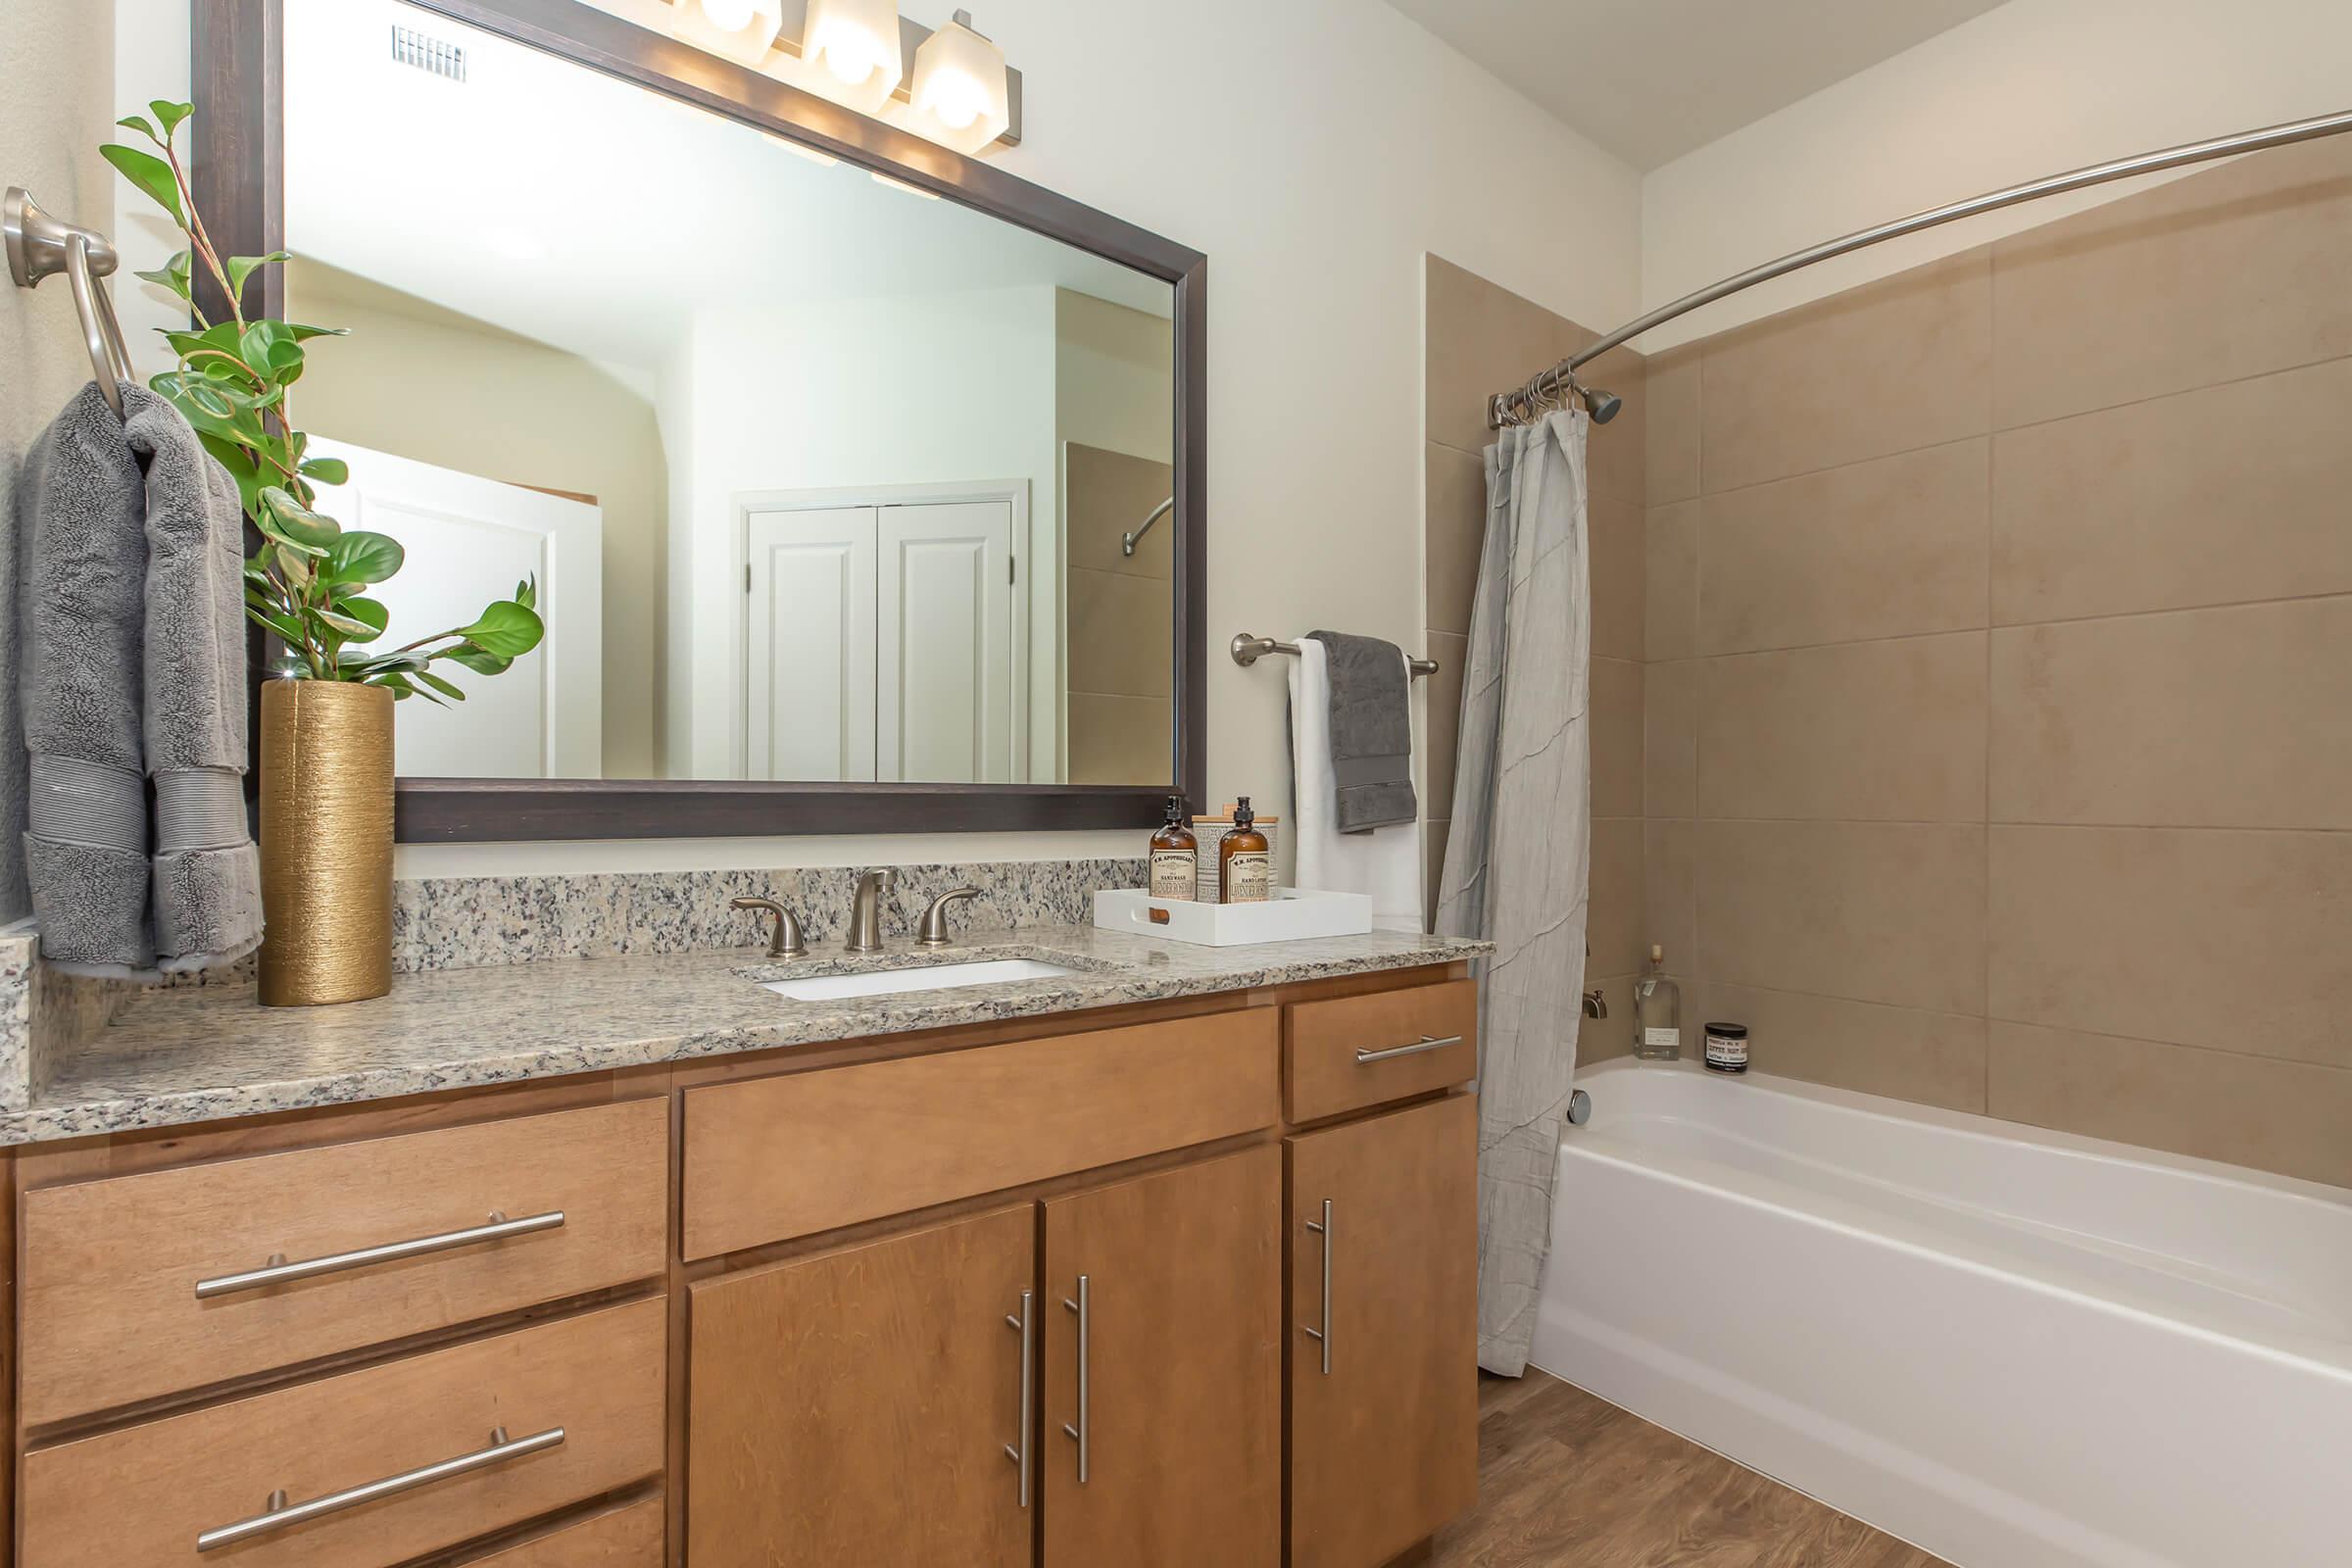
(1602, 405)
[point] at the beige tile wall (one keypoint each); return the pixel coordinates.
(1121, 614)
(1483, 339)
(1999, 695)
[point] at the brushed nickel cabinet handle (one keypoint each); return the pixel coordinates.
(1083, 1430)
(1425, 1043)
(279, 1516)
(1018, 1452)
(1322, 1335)
(280, 1272)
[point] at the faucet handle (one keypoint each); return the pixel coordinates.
(935, 919)
(786, 942)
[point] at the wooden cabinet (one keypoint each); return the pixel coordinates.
(1163, 1369)
(857, 1406)
(1383, 1243)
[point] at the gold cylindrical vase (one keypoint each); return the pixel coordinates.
(327, 842)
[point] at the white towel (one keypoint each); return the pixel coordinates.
(1385, 862)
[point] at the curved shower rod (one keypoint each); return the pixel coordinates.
(1505, 408)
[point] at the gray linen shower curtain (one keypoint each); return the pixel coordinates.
(1518, 862)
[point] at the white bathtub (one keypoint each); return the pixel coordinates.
(2008, 1346)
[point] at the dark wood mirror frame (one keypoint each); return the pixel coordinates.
(238, 48)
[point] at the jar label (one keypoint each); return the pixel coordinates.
(1662, 1039)
(1250, 877)
(1172, 874)
(1724, 1052)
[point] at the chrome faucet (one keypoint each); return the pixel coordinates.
(786, 942)
(1597, 1005)
(934, 933)
(865, 912)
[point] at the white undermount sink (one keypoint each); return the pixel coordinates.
(927, 977)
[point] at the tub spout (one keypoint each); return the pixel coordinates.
(1595, 1005)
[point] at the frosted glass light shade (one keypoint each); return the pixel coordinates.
(854, 45)
(960, 94)
(742, 30)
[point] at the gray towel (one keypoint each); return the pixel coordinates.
(1371, 732)
(132, 667)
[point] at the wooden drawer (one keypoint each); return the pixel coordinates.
(146, 1493)
(780, 1158)
(1333, 1062)
(628, 1537)
(110, 1312)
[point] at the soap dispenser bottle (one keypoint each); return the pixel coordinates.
(1176, 856)
(1244, 861)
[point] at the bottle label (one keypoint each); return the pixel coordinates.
(1662, 1039)
(1725, 1052)
(1172, 874)
(1250, 877)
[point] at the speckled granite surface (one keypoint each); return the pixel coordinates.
(173, 1056)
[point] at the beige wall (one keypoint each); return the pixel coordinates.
(425, 383)
(1482, 339)
(1999, 693)
(55, 112)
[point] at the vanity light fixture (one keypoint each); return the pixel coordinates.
(857, 44)
(742, 30)
(961, 99)
(911, 190)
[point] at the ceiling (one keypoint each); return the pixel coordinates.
(1652, 79)
(575, 209)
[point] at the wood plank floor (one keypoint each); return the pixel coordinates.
(1567, 1478)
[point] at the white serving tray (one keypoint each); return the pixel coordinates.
(1294, 914)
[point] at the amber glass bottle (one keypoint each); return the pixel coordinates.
(1244, 861)
(1175, 856)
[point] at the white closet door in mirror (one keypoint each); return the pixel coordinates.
(945, 668)
(810, 644)
(468, 540)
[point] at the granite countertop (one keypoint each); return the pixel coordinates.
(174, 1057)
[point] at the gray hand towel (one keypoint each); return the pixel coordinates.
(132, 661)
(1371, 732)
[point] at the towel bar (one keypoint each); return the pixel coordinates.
(1248, 650)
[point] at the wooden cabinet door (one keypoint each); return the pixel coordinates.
(1384, 1433)
(1171, 1379)
(864, 1405)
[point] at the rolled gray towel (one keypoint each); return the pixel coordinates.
(208, 874)
(1371, 731)
(82, 610)
(132, 661)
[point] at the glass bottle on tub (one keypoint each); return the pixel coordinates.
(1657, 1013)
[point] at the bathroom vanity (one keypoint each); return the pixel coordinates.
(1167, 1259)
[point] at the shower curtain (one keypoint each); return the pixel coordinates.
(1518, 862)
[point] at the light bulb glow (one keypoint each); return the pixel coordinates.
(962, 92)
(856, 41)
(728, 16)
(742, 30)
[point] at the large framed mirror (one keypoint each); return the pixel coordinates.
(860, 481)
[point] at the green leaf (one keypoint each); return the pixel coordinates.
(395, 682)
(359, 632)
(292, 566)
(363, 557)
(505, 627)
(294, 525)
(368, 613)
(150, 174)
(285, 629)
(445, 688)
(169, 115)
(240, 268)
(173, 275)
(475, 659)
(327, 470)
(304, 333)
(138, 123)
(527, 593)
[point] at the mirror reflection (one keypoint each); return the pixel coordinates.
(821, 478)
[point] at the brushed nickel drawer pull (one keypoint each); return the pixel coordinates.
(1322, 1335)
(1425, 1043)
(1083, 1432)
(1018, 1452)
(280, 1272)
(281, 1517)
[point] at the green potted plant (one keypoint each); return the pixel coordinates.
(325, 742)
